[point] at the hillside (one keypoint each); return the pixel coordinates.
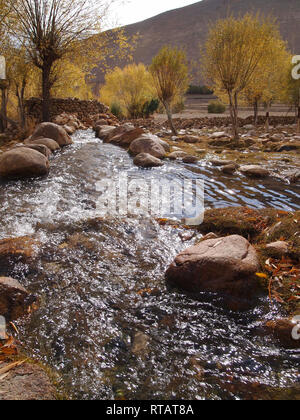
(187, 27)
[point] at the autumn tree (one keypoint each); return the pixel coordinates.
(50, 30)
(130, 87)
(170, 77)
(236, 52)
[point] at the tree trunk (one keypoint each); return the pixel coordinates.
(256, 113)
(268, 118)
(234, 115)
(170, 119)
(3, 117)
(298, 121)
(46, 88)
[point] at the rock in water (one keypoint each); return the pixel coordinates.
(14, 299)
(190, 159)
(124, 139)
(254, 171)
(177, 155)
(23, 162)
(39, 148)
(224, 265)
(144, 160)
(148, 144)
(51, 144)
(52, 131)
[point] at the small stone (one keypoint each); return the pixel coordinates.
(145, 160)
(190, 159)
(14, 299)
(254, 171)
(177, 155)
(229, 169)
(279, 247)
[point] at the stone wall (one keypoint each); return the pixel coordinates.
(84, 110)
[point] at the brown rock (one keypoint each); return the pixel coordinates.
(254, 171)
(70, 129)
(126, 138)
(144, 160)
(51, 144)
(219, 162)
(147, 144)
(52, 131)
(280, 247)
(39, 148)
(282, 330)
(229, 169)
(103, 132)
(15, 250)
(27, 382)
(14, 299)
(177, 155)
(190, 159)
(190, 139)
(225, 265)
(23, 162)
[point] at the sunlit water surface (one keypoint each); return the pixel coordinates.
(102, 283)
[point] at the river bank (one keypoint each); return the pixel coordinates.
(105, 316)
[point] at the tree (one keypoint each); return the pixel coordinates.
(268, 85)
(235, 50)
(23, 78)
(131, 87)
(70, 81)
(50, 30)
(170, 76)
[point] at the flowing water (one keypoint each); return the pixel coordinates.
(106, 321)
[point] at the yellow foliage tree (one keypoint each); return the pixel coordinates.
(170, 77)
(237, 50)
(70, 81)
(130, 87)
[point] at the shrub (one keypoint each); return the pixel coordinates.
(216, 108)
(150, 107)
(199, 90)
(116, 110)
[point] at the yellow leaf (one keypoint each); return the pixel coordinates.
(262, 275)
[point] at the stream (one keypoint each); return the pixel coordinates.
(106, 321)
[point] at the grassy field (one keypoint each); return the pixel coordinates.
(196, 107)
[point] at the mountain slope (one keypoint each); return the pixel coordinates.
(187, 27)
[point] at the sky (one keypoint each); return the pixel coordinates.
(132, 11)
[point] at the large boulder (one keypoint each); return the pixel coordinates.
(49, 143)
(125, 138)
(14, 299)
(150, 144)
(225, 265)
(104, 132)
(144, 160)
(39, 148)
(52, 131)
(23, 162)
